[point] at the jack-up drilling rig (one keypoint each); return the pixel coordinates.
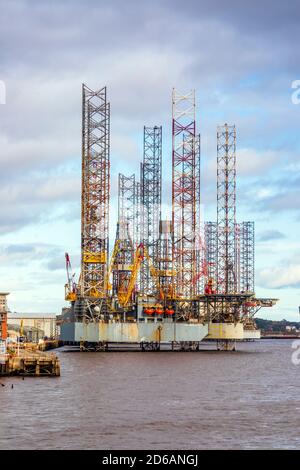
(166, 282)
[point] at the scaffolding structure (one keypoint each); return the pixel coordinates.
(226, 209)
(150, 200)
(164, 258)
(124, 245)
(126, 206)
(211, 251)
(247, 257)
(184, 194)
(237, 256)
(137, 215)
(199, 227)
(95, 197)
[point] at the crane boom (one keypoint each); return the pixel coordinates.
(111, 264)
(70, 287)
(154, 273)
(138, 258)
(140, 254)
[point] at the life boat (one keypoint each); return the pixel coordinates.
(169, 311)
(148, 311)
(159, 311)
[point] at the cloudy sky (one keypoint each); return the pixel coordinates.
(241, 58)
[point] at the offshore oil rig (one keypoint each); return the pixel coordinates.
(164, 282)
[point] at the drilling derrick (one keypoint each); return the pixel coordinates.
(137, 214)
(126, 206)
(200, 260)
(164, 258)
(95, 198)
(150, 199)
(122, 266)
(237, 256)
(138, 225)
(226, 209)
(247, 257)
(247, 273)
(211, 251)
(184, 194)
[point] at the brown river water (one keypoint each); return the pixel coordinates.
(248, 399)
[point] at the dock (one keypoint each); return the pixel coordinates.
(31, 363)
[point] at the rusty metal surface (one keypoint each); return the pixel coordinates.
(134, 332)
(225, 331)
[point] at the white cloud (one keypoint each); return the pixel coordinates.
(19, 156)
(279, 277)
(252, 162)
(36, 199)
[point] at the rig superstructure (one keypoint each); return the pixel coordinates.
(173, 282)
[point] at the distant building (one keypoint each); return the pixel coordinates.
(3, 315)
(33, 327)
(290, 328)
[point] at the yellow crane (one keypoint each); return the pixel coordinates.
(21, 327)
(111, 264)
(124, 297)
(140, 254)
(154, 273)
(70, 287)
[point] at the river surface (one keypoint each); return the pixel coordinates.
(248, 399)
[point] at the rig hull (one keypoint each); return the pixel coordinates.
(133, 332)
(252, 334)
(224, 331)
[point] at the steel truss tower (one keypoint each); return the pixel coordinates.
(211, 251)
(200, 260)
(137, 215)
(126, 206)
(237, 255)
(138, 227)
(184, 194)
(95, 197)
(125, 232)
(226, 209)
(247, 257)
(150, 199)
(164, 258)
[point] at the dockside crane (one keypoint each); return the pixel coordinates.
(70, 286)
